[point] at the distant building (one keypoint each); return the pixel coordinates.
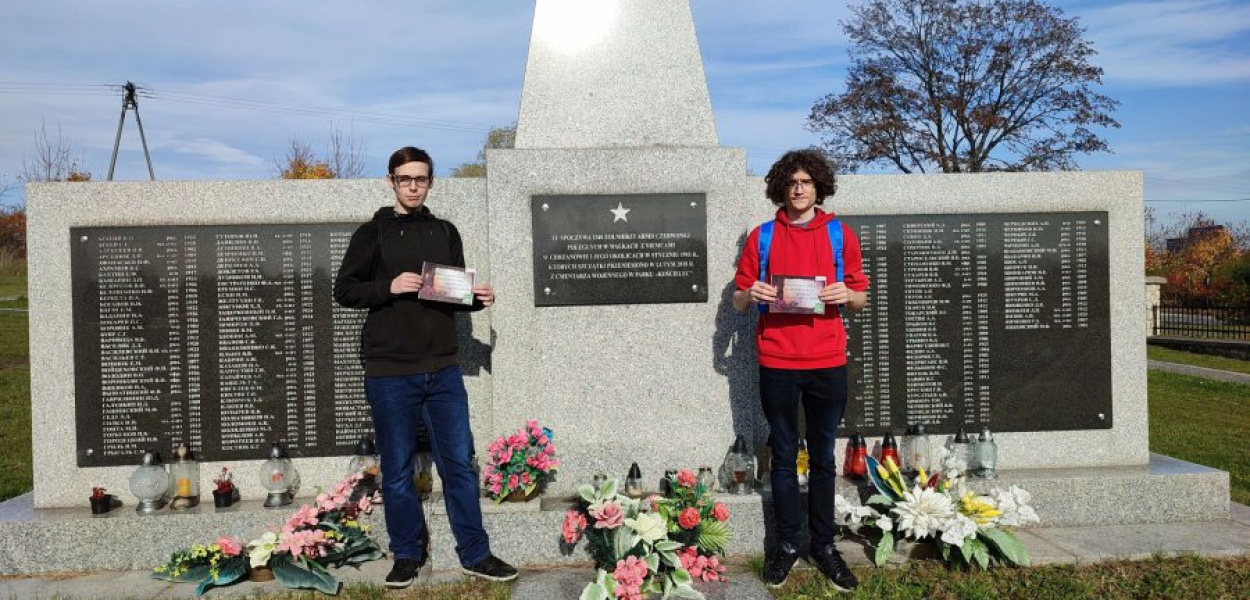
(1194, 234)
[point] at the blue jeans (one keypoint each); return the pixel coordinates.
(823, 393)
(439, 400)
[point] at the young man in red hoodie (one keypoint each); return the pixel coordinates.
(802, 356)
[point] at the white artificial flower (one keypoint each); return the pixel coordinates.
(259, 550)
(852, 514)
(885, 524)
(958, 529)
(1014, 505)
(922, 512)
(648, 526)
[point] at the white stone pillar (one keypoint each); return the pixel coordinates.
(1153, 284)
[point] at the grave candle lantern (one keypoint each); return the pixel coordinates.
(149, 483)
(184, 474)
(277, 476)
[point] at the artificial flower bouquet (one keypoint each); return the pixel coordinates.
(656, 545)
(319, 535)
(968, 529)
(520, 462)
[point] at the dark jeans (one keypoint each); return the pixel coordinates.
(822, 393)
(439, 400)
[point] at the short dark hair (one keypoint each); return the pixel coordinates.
(809, 159)
(409, 154)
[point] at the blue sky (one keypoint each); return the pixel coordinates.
(230, 83)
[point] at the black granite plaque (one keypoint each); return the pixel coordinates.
(226, 337)
(998, 320)
(619, 249)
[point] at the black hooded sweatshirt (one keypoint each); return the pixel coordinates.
(402, 335)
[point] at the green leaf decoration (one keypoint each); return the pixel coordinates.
(303, 575)
(965, 551)
(587, 492)
(684, 592)
(1007, 545)
(670, 558)
(653, 562)
(681, 577)
(667, 546)
(609, 489)
(946, 551)
(714, 536)
(624, 540)
(885, 549)
(982, 554)
(594, 591)
(880, 499)
(882, 487)
(229, 570)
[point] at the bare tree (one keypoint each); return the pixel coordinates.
(54, 160)
(965, 86)
(345, 155)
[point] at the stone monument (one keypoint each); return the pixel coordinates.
(611, 234)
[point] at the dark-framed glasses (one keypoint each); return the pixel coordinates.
(422, 181)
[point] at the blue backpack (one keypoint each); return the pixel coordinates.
(766, 242)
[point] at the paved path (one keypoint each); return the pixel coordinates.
(1046, 545)
(1199, 372)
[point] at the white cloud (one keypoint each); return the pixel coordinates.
(1172, 43)
(216, 151)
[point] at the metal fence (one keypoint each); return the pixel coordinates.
(1211, 322)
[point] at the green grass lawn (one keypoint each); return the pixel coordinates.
(1198, 360)
(1190, 578)
(15, 463)
(1202, 421)
(12, 285)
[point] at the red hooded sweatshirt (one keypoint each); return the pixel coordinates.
(796, 341)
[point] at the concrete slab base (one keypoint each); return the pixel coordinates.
(1071, 502)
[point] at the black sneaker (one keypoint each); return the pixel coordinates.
(829, 562)
(403, 573)
(492, 568)
(777, 565)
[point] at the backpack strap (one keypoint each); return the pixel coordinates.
(835, 242)
(765, 245)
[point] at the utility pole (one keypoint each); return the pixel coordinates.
(129, 101)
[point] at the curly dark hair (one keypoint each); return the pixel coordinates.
(809, 159)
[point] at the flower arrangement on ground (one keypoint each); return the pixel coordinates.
(324, 534)
(656, 545)
(968, 529)
(520, 462)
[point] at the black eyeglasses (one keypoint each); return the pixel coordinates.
(404, 181)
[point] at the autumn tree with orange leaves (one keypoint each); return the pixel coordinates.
(1206, 262)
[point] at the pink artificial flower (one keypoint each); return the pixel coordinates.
(705, 568)
(543, 440)
(654, 502)
(228, 546)
(685, 478)
(630, 575)
(309, 542)
(505, 456)
(608, 515)
(306, 515)
(720, 512)
(525, 478)
(574, 525)
(496, 488)
(550, 449)
(513, 482)
(365, 505)
(689, 518)
(532, 425)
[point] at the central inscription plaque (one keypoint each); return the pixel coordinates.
(619, 249)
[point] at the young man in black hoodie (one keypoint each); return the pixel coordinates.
(412, 368)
